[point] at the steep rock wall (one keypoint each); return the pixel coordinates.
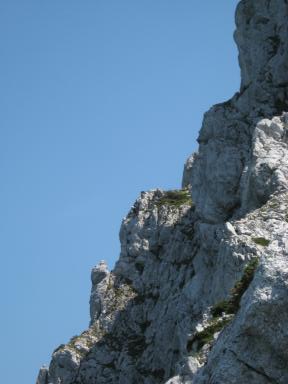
(219, 168)
(199, 293)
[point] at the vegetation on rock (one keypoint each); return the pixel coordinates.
(224, 311)
(231, 305)
(261, 241)
(175, 198)
(207, 335)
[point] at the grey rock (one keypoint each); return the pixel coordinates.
(186, 178)
(228, 128)
(42, 376)
(253, 348)
(199, 294)
(268, 169)
(100, 281)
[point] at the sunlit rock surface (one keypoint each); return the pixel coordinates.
(199, 294)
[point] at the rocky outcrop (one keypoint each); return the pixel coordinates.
(199, 294)
(226, 134)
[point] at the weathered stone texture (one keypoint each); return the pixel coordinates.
(199, 294)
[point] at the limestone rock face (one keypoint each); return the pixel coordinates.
(261, 37)
(42, 376)
(100, 278)
(227, 130)
(199, 294)
(253, 347)
(268, 169)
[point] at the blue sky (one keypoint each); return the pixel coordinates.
(100, 100)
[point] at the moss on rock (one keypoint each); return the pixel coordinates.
(261, 241)
(232, 305)
(175, 198)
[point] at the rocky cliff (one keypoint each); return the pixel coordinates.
(200, 292)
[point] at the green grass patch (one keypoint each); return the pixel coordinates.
(232, 305)
(73, 340)
(220, 308)
(175, 198)
(207, 335)
(227, 307)
(261, 241)
(274, 204)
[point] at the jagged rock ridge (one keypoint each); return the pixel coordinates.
(200, 292)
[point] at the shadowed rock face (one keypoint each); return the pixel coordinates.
(199, 294)
(261, 37)
(218, 175)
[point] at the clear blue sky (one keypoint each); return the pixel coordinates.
(99, 101)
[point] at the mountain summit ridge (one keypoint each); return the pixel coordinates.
(199, 294)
